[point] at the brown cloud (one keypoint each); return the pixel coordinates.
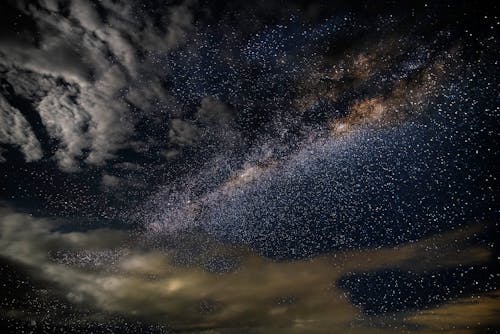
(467, 315)
(267, 296)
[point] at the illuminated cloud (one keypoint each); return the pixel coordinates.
(15, 130)
(78, 75)
(465, 315)
(110, 271)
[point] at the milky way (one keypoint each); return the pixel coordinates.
(267, 167)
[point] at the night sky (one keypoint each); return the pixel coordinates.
(227, 167)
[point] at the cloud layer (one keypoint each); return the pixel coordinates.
(84, 75)
(109, 271)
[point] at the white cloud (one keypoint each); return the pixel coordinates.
(65, 121)
(15, 130)
(89, 112)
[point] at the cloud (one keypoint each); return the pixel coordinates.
(66, 121)
(213, 111)
(213, 127)
(108, 270)
(83, 73)
(15, 130)
(465, 315)
(182, 132)
(110, 181)
(86, 14)
(181, 24)
(213, 122)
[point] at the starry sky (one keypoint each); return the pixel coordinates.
(221, 167)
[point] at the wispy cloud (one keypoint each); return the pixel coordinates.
(111, 271)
